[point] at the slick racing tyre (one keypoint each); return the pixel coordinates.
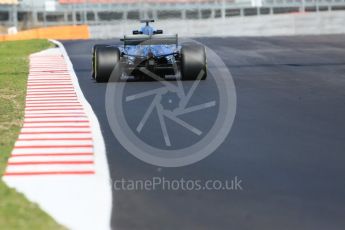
(94, 48)
(107, 64)
(193, 62)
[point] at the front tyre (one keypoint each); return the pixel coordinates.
(193, 62)
(107, 64)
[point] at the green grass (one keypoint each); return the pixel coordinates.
(16, 212)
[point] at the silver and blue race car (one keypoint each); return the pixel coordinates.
(149, 54)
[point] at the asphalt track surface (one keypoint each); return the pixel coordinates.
(287, 143)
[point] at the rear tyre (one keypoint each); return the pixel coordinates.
(193, 62)
(94, 48)
(107, 64)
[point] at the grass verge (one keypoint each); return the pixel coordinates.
(16, 212)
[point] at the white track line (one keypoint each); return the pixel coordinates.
(52, 150)
(52, 143)
(34, 168)
(29, 159)
(54, 136)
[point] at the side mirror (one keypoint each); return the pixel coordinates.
(136, 32)
(158, 32)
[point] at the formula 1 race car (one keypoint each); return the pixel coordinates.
(149, 51)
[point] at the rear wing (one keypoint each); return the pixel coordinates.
(156, 39)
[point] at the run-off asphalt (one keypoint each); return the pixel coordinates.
(287, 143)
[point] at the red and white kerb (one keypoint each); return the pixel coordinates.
(56, 137)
